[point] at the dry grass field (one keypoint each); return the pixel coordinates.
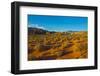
(57, 45)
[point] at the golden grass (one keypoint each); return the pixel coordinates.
(72, 45)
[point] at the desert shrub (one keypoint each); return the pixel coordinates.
(41, 47)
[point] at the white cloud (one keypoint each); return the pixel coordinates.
(36, 26)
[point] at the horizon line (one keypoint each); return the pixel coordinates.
(58, 31)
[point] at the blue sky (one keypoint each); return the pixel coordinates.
(58, 23)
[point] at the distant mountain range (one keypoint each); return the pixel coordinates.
(33, 30)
